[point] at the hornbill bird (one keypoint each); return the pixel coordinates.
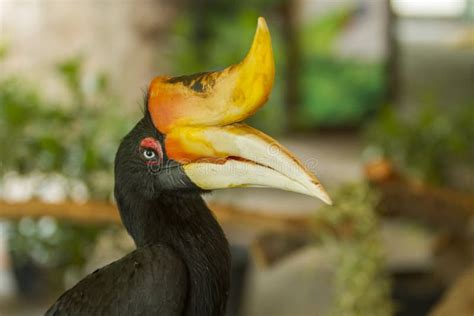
(189, 141)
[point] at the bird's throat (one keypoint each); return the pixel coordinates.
(183, 222)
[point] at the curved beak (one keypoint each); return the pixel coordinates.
(238, 155)
(200, 114)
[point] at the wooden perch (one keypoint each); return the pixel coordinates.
(440, 207)
(271, 247)
(101, 212)
(459, 300)
(90, 212)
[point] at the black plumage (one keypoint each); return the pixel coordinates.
(181, 265)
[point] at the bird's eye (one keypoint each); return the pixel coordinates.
(149, 154)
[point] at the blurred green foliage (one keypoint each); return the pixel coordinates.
(58, 248)
(362, 285)
(343, 93)
(430, 143)
(336, 91)
(77, 139)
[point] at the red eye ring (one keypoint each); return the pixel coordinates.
(150, 144)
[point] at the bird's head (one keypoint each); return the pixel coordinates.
(192, 138)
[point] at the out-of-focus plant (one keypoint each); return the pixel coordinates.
(59, 248)
(336, 91)
(432, 144)
(77, 139)
(73, 140)
(361, 285)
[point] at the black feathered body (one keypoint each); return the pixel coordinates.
(182, 263)
(153, 274)
(186, 225)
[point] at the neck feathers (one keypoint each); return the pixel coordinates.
(185, 223)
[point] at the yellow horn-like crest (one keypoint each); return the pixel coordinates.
(216, 98)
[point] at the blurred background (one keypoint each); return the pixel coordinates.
(377, 95)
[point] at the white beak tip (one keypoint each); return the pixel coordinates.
(323, 195)
(327, 200)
